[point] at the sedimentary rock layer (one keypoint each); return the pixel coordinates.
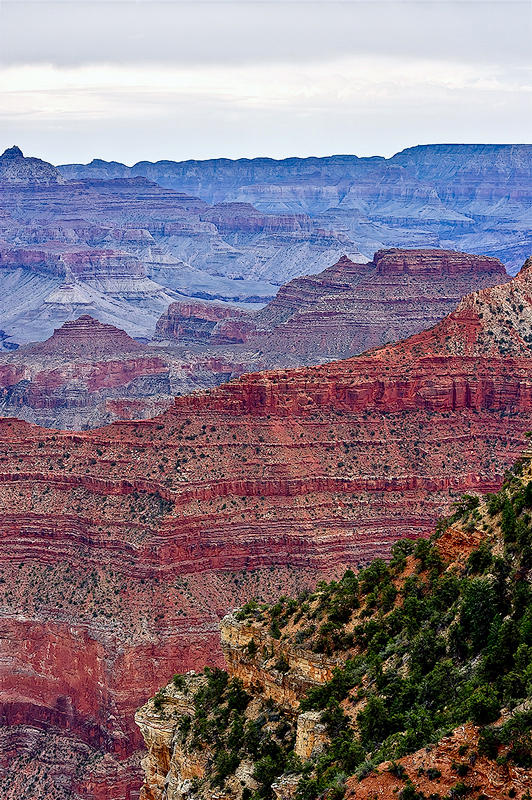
(473, 197)
(114, 539)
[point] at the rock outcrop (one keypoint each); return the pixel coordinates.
(386, 683)
(127, 247)
(113, 539)
(204, 323)
(199, 344)
(72, 379)
(16, 170)
(349, 308)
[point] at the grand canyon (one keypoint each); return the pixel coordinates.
(223, 381)
(115, 538)
(265, 400)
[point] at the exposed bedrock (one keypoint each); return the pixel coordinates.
(122, 547)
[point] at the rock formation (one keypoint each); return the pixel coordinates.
(472, 197)
(15, 170)
(204, 323)
(410, 679)
(342, 311)
(198, 344)
(126, 248)
(71, 379)
(349, 308)
(114, 538)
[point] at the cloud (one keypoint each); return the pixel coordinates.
(69, 33)
(154, 80)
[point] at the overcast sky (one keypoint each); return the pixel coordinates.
(143, 79)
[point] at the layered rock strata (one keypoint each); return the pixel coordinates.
(113, 539)
(72, 379)
(472, 197)
(342, 311)
(338, 690)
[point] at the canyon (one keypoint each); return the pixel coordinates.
(90, 373)
(114, 538)
(122, 249)
(385, 683)
(472, 197)
(123, 243)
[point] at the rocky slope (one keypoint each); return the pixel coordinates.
(467, 197)
(90, 373)
(411, 679)
(114, 538)
(349, 308)
(342, 311)
(71, 379)
(19, 171)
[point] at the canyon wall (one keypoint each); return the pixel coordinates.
(89, 373)
(472, 197)
(114, 538)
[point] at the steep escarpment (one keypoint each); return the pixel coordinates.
(408, 679)
(197, 322)
(342, 311)
(126, 247)
(90, 373)
(114, 538)
(349, 307)
(200, 344)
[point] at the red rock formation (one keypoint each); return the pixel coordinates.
(347, 308)
(433, 770)
(83, 263)
(113, 539)
(86, 337)
(68, 379)
(350, 307)
(194, 321)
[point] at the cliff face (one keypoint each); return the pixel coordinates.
(349, 307)
(89, 373)
(254, 488)
(196, 322)
(19, 171)
(342, 311)
(124, 248)
(466, 197)
(199, 344)
(398, 681)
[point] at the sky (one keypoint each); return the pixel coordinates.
(135, 80)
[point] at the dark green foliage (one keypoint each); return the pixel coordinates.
(282, 665)
(508, 521)
(479, 560)
(410, 793)
(179, 681)
(251, 648)
(374, 576)
(464, 634)
(477, 611)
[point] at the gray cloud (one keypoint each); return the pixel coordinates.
(133, 80)
(67, 33)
